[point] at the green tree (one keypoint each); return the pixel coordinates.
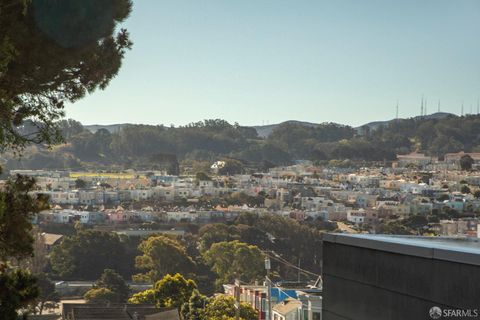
(87, 254)
(217, 232)
(202, 176)
(47, 297)
(465, 189)
(170, 292)
(253, 235)
(466, 162)
(115, 283)
(17, 208)
(143, 297)
(161, 256)
(100, 295)
(18, 287)
(232, 166)
(235, 259)
(194, 309)
(395, 227)
(173, 291)
(289, 239)
(52, 53)
(80, 184)
(222, 307)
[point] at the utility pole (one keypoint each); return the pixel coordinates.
(269, 289)
(237, 299)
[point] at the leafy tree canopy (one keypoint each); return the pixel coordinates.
(222, 307)
(100, 295)
(115, 283)
(173, 291)
(235, 260)
(53, 52)
(170, 291)
(87, 254)
(161, 256)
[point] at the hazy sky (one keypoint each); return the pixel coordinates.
(259, 61)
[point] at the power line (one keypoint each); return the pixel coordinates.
(280, 289)
(282, 260)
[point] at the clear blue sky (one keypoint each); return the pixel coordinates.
(253, 61)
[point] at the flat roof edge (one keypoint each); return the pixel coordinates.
(422, 251)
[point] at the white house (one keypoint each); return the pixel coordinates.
(356, 216)
(141, 194)
(288, 309)
(63, 216)
(311, 305)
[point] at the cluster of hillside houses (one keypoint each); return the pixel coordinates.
(362, 196)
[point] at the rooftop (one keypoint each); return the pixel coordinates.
(463, 250)
(50, 238)
(287, 306)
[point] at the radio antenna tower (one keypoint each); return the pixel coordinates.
(425, 108)
(439, 105)
(396, 113)
(421, 108)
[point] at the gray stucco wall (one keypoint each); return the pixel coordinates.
(361, 283)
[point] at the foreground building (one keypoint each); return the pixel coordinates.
(400, 277)
(89, 311)
(298, 302)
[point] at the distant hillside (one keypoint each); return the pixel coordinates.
(262, 131)
(110, 127)
(375, 124)
(266, 130)
(199, 144)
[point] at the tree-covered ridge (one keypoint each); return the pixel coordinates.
(210, 140)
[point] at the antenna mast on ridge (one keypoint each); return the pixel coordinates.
(421, 108)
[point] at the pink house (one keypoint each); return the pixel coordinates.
(117, 215)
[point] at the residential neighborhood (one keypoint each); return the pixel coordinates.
(411, 197)
(365, 198)
(239, 160)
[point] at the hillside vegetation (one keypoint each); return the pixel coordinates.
(161, 147)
